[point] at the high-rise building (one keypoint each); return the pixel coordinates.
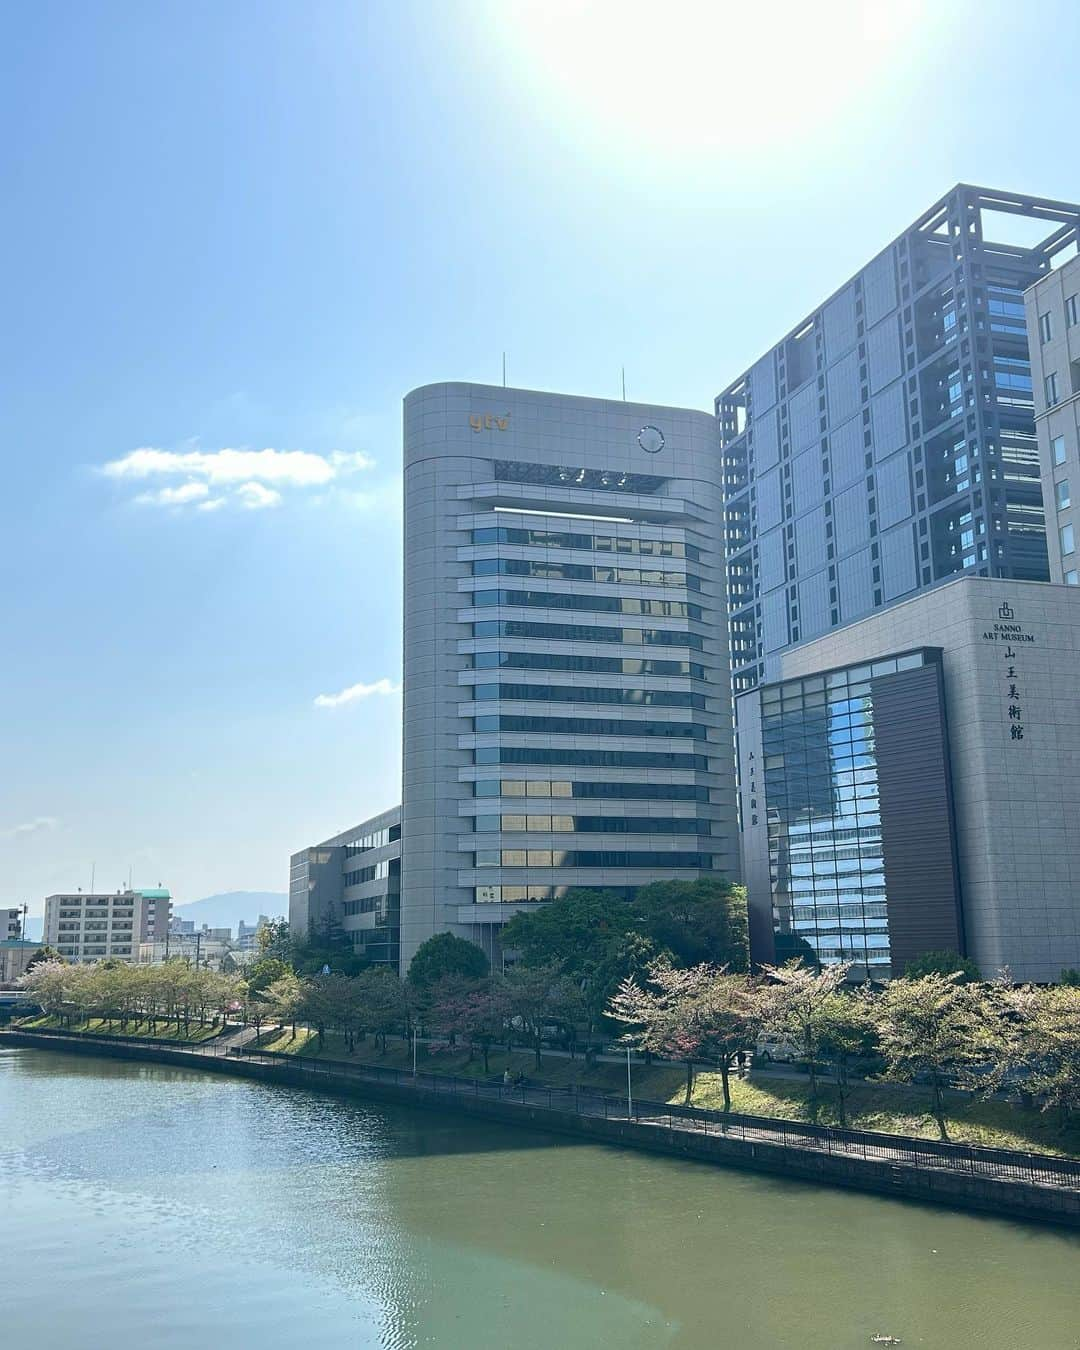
(566, 695)
(1053, 323)
(887, 443)
(97, 926)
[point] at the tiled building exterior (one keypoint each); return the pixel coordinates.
(1053, 322)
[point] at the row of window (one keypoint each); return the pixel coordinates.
(376, 839)
(373, 873)
(576, 632)
(535, 787)
(509, 895)
(368, 905)
(582, 693)
(560, 571)
(596, 543)
(591, 824)
(587, 726)
(597, 665)
(599, 604)
(605, 759)
(547, 857)
(594, 480)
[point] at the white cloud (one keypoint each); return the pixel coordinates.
(249, 479)
(254, 497)
(36, 826)
(355, 692)
(174, 496)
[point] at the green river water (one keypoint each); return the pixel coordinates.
(145, 1206)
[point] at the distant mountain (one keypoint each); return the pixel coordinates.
(226, 910)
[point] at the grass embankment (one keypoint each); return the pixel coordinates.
(102, 1026)
(894, 1109)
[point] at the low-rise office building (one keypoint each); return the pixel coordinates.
(15, 955)
(11, 923)
(910, 783)
(351, 883)
(99, 926)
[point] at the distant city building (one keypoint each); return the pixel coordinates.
(911, 783)
(93, 927)
(888, 442)
(11, 923)
(352, 883)
(181, 925)
(247, 934)
(1053, 322)
(15, 955)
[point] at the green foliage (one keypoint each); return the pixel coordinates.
(1070, 978)
(264, 972)
(327, 945)
(275, 941)
(937, 1027)
(942, 963)
(537, 997)
(445, 955)
(697, 921)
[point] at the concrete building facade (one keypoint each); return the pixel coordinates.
(1053, 323)
(566, 692)
(888, 444)
(990, 769)
(11, 924)
(98, 926)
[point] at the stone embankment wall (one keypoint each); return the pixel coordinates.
(940, 1186)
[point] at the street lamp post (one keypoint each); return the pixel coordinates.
(629, 1093)
(414, 1052)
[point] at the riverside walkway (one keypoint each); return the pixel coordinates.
(1043, 1171)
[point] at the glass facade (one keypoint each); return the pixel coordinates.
(823, 808)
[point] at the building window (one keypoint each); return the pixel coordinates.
(1072, 578)
(1051, 389)
(1061, 494)
(1070, 312)
(1068, 543)
(1046, 331)
(1057, 446)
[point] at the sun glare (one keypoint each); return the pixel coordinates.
(692, 76)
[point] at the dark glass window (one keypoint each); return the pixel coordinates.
(602, 480)
(606, 604)
(587, 726)
(610, 759)
(565, 693)
(577, 632)
(601, 543)
(600, 665)
(516, 857)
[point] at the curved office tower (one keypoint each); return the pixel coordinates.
(567, 717)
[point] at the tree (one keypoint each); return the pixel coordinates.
(443, 955)
(327, 945)
(702, 921)
(380, 1003)
(935, 1026)
(284, 999)
(50, 984)
(942, 963)
(795, 1001)
(1070, 977)
(844, 1026)
(700, 1013)
(631, 955)
(538, 996)
(1039, 1043)
(44, 953)
(261, 974)
(484, 1014)
(275, 941)
(574, 932)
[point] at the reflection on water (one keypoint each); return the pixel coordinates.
(145, 1205)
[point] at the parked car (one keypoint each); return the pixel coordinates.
(773, 1049)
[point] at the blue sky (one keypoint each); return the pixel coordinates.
(253, 227)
